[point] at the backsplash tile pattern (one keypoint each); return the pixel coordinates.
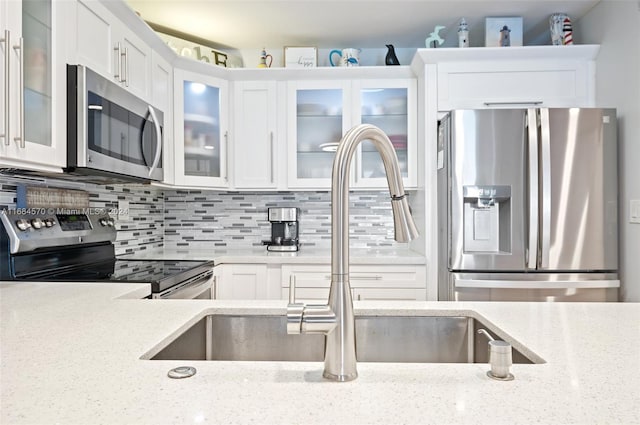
(202, 219)
(142, 230)
(210, 219)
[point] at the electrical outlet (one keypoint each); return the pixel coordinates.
(123, 210)
(634, 211)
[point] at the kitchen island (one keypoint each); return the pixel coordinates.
(71, 353)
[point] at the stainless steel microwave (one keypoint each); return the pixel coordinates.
(112, 135)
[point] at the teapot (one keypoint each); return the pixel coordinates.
(348, 57)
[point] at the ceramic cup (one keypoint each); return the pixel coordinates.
(348, 57)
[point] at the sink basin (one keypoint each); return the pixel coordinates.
(397, 339)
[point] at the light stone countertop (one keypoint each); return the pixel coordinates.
(262, 256)
(70, 354)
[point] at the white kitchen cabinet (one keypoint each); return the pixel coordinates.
(107, 46)
(201, 130)
(162, 98)
(245, 282)
(319, 113)
(255, 136)
(33, 78)
(532, 76)
(368, 282)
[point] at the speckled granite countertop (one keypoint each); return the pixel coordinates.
(262, 256)
(70, 354)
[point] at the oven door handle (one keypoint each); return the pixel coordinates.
(156, 124)
(188, 287)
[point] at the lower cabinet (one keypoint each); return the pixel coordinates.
(246, 282)
(368, 282)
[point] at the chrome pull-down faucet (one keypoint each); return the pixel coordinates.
(336, 319)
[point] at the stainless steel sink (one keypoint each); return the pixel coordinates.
(397, 339)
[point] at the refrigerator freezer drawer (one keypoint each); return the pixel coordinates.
(535, 290)
(532, 284)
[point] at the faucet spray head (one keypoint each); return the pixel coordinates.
(403, 224)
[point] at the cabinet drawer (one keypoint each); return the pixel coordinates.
(317, 276)
(320, 295)
(463, 85)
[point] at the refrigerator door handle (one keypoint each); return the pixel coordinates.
(532, 242)
(545, 208)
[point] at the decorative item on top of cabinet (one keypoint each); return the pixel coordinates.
(300, 57)
(463, 34)
(391, 58)
(434, 40)
(503, 31)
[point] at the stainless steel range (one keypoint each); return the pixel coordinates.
(60, 245)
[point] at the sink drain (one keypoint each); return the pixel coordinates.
(182, 372)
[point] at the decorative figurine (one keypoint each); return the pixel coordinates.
(391, 58)
(434, 37)
(263, 59)
(463, 34)
(505, 39)
(567, 32)
(561, 29)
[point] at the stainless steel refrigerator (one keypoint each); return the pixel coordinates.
(527, 205)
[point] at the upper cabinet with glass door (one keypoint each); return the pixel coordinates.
(201, 127)
(317, 119)
(391, 106)
(32, 125)
(320, 113)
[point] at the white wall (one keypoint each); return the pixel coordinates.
(615, 25)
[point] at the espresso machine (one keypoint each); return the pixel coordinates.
(284, 229)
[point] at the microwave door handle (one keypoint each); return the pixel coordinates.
(156, 124)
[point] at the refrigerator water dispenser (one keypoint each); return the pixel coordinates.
(487, 219)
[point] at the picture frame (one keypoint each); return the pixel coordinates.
(503, 31)
(300, 57)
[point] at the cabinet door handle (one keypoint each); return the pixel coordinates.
(20, 136)
(7, 86)
(292, 289)
(373, 277)
(215, 288)
(118, 50)
(532, 102)
(271, 147)
(226, 156)
(125, 66)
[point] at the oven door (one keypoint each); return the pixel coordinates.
(199, 287)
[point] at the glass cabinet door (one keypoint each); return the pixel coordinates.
(202, 144)
(37, 40)
(391, 107)
(318, 123)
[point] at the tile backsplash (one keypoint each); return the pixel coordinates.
(202, 219)
(142, 230)
(207, 219)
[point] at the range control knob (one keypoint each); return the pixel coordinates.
(111, 222)
(37, 223)
(23, 224)
(49, 222)
(103, 221)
